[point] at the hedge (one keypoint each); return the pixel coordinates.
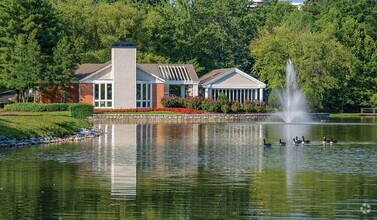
(193, 102)
(178, 110)
(81, 110)
(172, 102)
(37, 107)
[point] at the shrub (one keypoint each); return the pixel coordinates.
(210, 105)
(193, 103)
(37, 107)
(179, 110)
(222, 99)
(172, 102)
(225, 108)
(81, 110)
(236, 106)
(271, 109)
(261, 107)
(249, 106)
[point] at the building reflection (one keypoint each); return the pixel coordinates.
(129, 151)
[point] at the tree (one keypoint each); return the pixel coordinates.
(24, 69)
(29, 32)
(61, 73)
(322, 63)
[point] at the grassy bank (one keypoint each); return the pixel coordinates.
(20, 125)
(344, 115)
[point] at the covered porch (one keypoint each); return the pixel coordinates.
(234, 83)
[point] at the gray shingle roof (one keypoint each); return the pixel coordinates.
(178, 72)
(86, 69)
(213, 74)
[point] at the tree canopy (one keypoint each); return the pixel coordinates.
(332, 43)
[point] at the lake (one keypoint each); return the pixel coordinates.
(197, 171)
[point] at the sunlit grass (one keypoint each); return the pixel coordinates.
(22, 125)
(344, 115)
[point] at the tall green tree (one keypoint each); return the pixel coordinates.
(223, 30)
(353, 24)
(62, 71)
(27, 27)
(321, 62)
(24, 68)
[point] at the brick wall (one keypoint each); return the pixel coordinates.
(86, 93)
(158, 94)
(54, 95)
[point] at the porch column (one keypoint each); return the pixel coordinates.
(206, 93)
(260, 94)
(195, 90)
(166, 89)
(183, 91)
(255, 96)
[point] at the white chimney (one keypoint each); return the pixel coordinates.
(123, 62)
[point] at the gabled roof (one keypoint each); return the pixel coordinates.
(218, 74)
(172, 72)
(87, 69)
(213, 74)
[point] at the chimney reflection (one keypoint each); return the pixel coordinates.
(126, 151)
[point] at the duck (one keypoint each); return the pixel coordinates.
(325, 141)
(266, 145)
(305, 141)
(332, 141)
(281, 143)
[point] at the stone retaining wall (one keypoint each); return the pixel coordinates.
(199, 118)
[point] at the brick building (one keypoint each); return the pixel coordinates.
(122, 83)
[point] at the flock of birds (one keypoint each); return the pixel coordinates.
(304, 141)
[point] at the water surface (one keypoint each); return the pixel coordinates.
(196, 171)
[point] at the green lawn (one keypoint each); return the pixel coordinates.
(344, 115)
(21, 125)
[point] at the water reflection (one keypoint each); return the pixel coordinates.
(295, 181)
(195, 171)
(168, 150)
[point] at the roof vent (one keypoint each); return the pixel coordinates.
(124, 44)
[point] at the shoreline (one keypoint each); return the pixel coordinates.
(83, 133)
(192, 118)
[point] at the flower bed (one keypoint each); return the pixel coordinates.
(178, 110)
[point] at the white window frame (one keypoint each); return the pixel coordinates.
(97, 102)
(147, 102)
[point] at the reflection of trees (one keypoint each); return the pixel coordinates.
(198, 171)
(47, 189)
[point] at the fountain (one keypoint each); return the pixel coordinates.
(292, 100)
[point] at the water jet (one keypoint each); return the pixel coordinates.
(292, 100)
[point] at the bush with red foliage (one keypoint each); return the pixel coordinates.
(178, 110)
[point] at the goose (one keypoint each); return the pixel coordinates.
(325, 141)
(305, 141)
(267, 145)
(281, 143)
(332, 141)
(296, 142)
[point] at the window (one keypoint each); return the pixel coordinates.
(103, 95)
(143, 95)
